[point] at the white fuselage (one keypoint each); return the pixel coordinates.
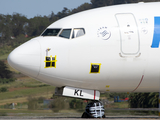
(118, 38)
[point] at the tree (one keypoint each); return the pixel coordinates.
(76, 104)
(153, 99)
(65, 12)
(121, 95)
(35, 103)
(85, 6)
(52, 17)
(3, 89)
(58, 103)
(19, 22)
(143, 100)
(99, 3)
(5, 28)
(37, 25)
(4, 72)
(116, 2)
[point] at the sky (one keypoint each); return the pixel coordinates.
(31, 8)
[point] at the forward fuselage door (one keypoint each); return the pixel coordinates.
(129, 37)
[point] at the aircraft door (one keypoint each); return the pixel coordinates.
(129, 42)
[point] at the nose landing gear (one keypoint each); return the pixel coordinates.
(94, 109)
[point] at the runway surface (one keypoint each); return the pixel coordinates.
(112, 115)
(63, 118)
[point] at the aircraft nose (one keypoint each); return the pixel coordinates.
(26, 58)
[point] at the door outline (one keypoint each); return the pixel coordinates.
(123, 54)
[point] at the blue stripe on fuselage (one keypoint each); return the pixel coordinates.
(156, 36)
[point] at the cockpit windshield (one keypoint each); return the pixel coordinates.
(51, 32)
(69, 33)
(65, 33)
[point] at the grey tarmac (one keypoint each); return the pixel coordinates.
(73, 118)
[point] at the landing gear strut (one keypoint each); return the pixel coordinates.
(94, 109)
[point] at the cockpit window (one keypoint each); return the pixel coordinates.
(77, 32)
(65, 33)
(51, 32)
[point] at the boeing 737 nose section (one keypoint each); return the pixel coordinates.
(26, 58)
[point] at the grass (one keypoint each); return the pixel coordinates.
(24, 81)
(112, 112)
(27, 92)
(24, 99)
(35, 111)
(119, 105)
(24, 87)
(25, 111)
(4, 57)
(45, 113)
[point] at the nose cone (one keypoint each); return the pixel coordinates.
(26, 58)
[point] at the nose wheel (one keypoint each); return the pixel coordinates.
(94, 109)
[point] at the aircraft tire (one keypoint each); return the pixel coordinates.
(103, 116)
(85, 115)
